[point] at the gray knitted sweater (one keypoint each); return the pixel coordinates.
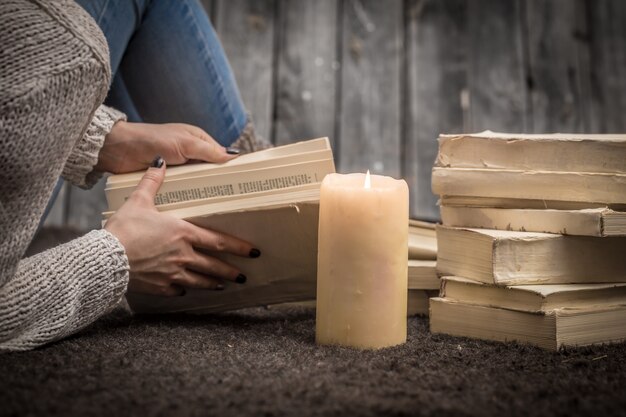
(54, 74)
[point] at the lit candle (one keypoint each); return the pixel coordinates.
(362, 261)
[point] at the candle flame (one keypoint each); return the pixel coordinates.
(368, 183)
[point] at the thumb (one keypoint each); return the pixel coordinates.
(151, 181)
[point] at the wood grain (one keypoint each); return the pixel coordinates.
(608, 64)
(307, 70)
(497, 80)
(558, 76)
(370, 84)
(436, 84)
(247, 29)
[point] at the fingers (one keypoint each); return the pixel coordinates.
(151, 181)
(191, 279)
(215, 268)
(175, 285)
(205, 149)
(220, 242)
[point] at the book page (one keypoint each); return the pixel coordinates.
(176, 173)
(285, 151)
(242, 182)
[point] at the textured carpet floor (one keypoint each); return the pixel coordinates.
(265, 362)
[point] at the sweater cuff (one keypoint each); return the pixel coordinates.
(79, 168)
(60, 291)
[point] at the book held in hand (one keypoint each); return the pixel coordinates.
(269, 198)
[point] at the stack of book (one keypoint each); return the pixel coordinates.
(533, 238)
(269, 198)
(423, 280)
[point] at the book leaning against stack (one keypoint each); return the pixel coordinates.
(269, 198)
(423, 280)
(533, 236)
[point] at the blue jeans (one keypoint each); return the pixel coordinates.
(169, 66)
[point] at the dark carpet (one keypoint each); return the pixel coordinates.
(264, 362)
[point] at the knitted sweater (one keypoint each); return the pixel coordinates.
(54, 74)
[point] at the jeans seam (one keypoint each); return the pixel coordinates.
(104, 7)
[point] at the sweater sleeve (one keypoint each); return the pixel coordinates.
(59, 291)
(79, 168)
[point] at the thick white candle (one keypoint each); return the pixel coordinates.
(362, 261)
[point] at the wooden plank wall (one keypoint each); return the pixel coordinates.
(383, 78)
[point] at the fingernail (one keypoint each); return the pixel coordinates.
(232, 151)
(254, 253)
(241, 278)
(158, 162)
(219, 287)
(182, 292)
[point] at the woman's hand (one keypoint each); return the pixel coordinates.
(161, 249)
(130, 146)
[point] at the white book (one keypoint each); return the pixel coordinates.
(549, 330)
(537, 185)
(285, 233)
(584, 222)
(423, 275)
(533, 298)
(309, 150)
(604, 153)
(510, 258)
(422, 240)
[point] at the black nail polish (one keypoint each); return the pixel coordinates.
(232, 151)
(158, 162)
(241, 278)
(254, 253)
(219, 287)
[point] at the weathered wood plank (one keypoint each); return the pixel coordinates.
(608, 64)
(370, 84)
(558, 78)
(307, 69)
(246, 29)
(497, 80)
(436, 82)
(210, 8)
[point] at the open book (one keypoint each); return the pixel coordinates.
(290, 166)
(270, 198)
